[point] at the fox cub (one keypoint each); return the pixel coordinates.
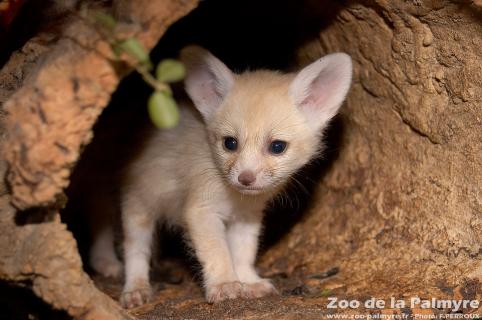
(238, 143)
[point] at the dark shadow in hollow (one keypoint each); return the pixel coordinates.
(97, 175)
(244, 34)
(250, 34)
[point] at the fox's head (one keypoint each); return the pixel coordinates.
(263, 126)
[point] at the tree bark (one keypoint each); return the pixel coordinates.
(54, 89)
(400, 210)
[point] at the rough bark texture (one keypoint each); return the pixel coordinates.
(399, 213)
(51, 115)
(53, 90)
(44, 256)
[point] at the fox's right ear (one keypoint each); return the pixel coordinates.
(207, 81)
(319, 89)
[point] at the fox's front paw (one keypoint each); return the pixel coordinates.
(258, 289)
(223, 291)
(136, 296)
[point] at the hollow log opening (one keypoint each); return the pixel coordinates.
(393, 209)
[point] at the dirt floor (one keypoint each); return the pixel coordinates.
(179, 296)
(185, 299)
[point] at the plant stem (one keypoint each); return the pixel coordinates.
(141, 69)
(150, 80)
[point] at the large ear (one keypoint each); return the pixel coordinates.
(207, 80)
(320, 88)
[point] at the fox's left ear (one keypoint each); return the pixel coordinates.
(208, 80)
(320, 88)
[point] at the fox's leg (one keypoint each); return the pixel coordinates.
(207, 233)
(138, 225)
(243, 243)
(102, 255)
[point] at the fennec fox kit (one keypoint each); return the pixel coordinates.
(214, 174)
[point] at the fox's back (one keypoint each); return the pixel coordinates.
(169, 163)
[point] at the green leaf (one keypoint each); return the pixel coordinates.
(135, 49)
(106, 20)
(170, 70)
(163, 110)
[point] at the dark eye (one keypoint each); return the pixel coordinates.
(277, 147)
(230, 143)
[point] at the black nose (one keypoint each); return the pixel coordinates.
(246, 178)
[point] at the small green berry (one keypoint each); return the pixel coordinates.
(170, 70)
(163, 110)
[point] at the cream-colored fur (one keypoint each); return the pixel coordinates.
(185, 176)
